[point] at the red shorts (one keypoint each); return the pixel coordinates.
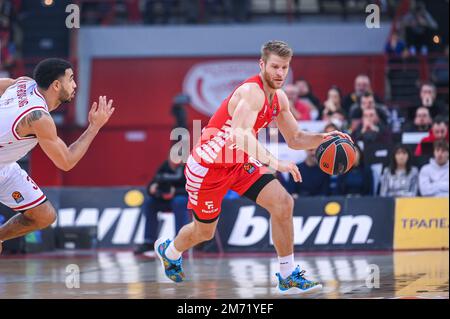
(207, 186)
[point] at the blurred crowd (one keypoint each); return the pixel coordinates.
(417, 168)
(9, 35)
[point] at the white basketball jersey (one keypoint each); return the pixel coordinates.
(18, 101)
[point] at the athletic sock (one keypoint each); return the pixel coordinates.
(286, 265)
(172, 253)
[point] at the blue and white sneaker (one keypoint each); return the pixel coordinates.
(296, 283)
(172, 268)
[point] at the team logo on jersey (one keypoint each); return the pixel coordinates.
(17, 196)
(249, 168)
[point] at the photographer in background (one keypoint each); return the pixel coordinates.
(178, 110)
(166, 193)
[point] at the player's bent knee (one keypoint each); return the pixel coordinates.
(43, 215)
(283, 208)
(205, 232)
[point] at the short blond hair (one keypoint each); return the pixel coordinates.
(276, 47)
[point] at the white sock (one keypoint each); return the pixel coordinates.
(286, 265)
(172, 253)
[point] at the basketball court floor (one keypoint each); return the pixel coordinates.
(120, 274)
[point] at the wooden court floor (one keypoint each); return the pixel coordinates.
(120, 274)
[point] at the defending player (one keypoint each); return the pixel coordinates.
(25, 106)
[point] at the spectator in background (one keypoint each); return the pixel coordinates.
(400, 179)
(422, 121)
(299, 109)
(307, 97)
(292, 95)
(237, 10)
(371, 130)
(357, 181)
(428, 98)
(339, 119)
(433, 177)
(330, 127)
(180, 102)
(367, 103)
(192, 12)
(333, 103)
(7, 55)
(166, 192)
(396, 47)
(418, 25)
(315, 182)
(438, 131)
(151, 11)
(439, 72)
(362, 85)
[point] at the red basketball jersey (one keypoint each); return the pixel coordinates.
(215, 148)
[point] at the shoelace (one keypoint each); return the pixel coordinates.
(174, 267)
(300, 275)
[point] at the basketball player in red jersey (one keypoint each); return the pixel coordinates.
(229, 156)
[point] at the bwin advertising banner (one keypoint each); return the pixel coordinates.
(319, 224)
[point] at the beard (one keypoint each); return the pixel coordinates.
(66, 97)
(269, 81)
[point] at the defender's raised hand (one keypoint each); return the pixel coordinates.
(100, 112)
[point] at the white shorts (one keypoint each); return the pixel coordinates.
(17, 189)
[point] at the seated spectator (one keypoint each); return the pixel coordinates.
(315, 182)
(438, 131)
(428, 98)
(371, 130)
(362, 85)
(158, 11)
(439, 72)
(333, 103)
(395, 46)
(418, 25)
(358, 180)
(330, 127)
(306, 96)
(367, 102)
(166, 192)
(339, 119)
(433, 177)
(7, 54)
(422, 121)
(400, 179)
(299, 109)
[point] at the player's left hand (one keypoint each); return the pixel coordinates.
(100, 113)
(340, 134)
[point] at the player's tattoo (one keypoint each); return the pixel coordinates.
(33, 116)
(21, 220)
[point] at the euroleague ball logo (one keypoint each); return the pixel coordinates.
(209, 83)
(17, 196)
(249, 168)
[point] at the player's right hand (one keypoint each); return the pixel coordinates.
(289, 167)
(100, 112)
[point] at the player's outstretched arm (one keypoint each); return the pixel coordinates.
(65, 158)
(243, 121)
(294, 137)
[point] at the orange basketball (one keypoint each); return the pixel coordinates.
(336, 155)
